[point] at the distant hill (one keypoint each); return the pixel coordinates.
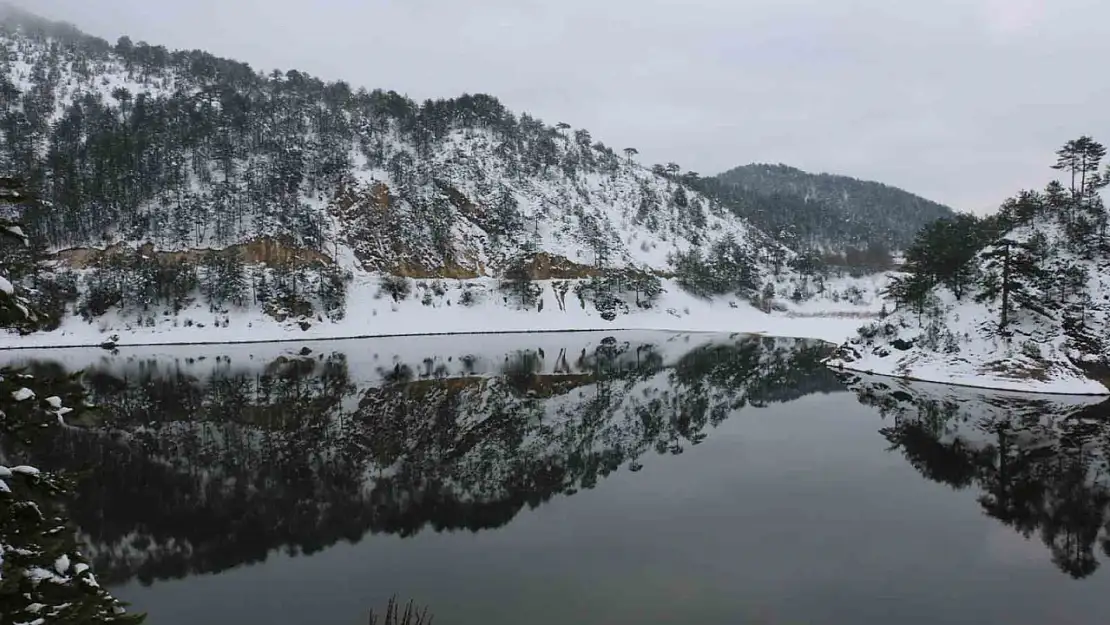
(824, 211)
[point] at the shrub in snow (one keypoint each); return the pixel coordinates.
(869, 331)
(1031, 349)
(951, 343)
(397, 287)
(45, 579)
(854, 295)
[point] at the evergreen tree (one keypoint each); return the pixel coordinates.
(943, 251)
(911, 290)
(1081, 158)
(517, 283)
(333, 291)
(1012, 276)
(507, 214)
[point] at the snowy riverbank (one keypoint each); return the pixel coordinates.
(370, 312)
(961, 347)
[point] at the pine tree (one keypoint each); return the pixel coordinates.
(332, 291)
(911, 290)
(1012, 276)
(942, 252)
(507, 215)
(210, 279)
(517, 283)
(232, 275)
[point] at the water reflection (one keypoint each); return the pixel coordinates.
(1039, 463)
(198, 463)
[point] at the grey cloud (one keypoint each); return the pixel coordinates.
(963, 101)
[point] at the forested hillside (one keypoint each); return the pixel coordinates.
(855, 219)
(170, 178)
(132, 142)
(1018, 300)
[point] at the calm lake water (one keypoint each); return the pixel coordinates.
(578, 478)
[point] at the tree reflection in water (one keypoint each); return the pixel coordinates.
(1039, 462)
(197, 467)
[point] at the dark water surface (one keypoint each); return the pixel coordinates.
(624, 478)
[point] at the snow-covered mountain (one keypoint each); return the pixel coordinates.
(444, 188)
(178, 185)
(1030, 311)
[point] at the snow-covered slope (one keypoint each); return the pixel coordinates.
(1057, 333)
(148, 158)
(447, 186)
(439, 308)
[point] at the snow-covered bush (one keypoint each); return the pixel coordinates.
(397, 287)
(854, 295)
(1031, 349)
(469, 297)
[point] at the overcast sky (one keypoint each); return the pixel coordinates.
(962, 101)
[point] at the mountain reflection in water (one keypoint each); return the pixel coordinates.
(732, 476)
(196, 464)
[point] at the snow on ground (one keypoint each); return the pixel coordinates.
(841, 295)
(373, 313)
(980, 363)
(959, 344)
(22, 394)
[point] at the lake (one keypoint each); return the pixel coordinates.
(629, 477)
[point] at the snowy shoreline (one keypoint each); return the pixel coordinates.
(430, 311)
(832, 335)
(996, 384)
